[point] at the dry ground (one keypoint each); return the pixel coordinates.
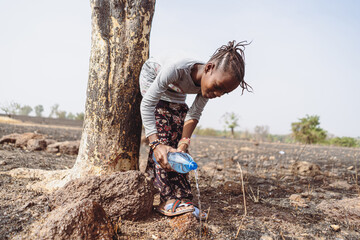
(268, 183)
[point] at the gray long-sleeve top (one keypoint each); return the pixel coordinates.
(170, 82)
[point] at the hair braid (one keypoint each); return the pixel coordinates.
(230, 58)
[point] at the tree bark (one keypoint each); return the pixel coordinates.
(112, 126)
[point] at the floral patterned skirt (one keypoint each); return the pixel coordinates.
(169, 122)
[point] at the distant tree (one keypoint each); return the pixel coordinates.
(54, 110)
(38, 110)
(10, 108)
(308, 130)
(61, 114)
(231, 121)
(261, 132)
(70, 116)
(79, 116)
(25, 110)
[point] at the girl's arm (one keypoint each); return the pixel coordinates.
(189, 127)
(191, 120)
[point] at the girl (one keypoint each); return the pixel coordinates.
(169, 123)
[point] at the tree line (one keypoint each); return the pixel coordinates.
(14, 108)
(306, 130)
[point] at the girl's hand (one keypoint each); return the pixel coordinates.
(183, 148)
(160, 154)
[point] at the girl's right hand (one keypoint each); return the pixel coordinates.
(160, 153)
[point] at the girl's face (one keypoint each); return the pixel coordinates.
(215, 83)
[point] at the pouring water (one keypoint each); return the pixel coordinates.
(198, 195)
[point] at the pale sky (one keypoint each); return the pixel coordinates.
(304, 57)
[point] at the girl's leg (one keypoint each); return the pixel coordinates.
(169, 121)
(172, 185)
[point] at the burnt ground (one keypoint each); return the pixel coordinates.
(267, 178)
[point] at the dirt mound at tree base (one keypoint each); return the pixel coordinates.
(85, 208)
(128, 195)
(81, 220)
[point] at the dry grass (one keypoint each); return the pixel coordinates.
(8, 120)
(356, 180)
(255, 197)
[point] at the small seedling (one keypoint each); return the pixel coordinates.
(253, 197)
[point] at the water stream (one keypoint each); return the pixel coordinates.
(198, 194)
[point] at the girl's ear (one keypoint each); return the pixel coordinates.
(209, 67)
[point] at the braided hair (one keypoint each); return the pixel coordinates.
(230, 58)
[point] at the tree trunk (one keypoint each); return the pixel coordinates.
(112, 126)
(111, 133)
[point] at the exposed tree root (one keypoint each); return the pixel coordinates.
(48, 180)
(51, 180)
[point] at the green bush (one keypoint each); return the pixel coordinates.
(25, 110)
(344, 142)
